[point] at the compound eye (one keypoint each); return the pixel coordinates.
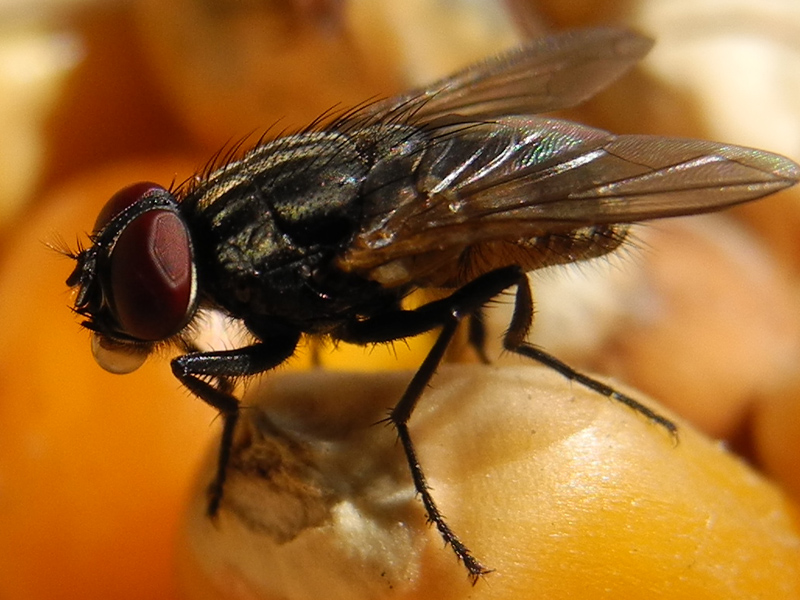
(152, 276)
(125, 198)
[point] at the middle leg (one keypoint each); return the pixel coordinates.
(446, 313)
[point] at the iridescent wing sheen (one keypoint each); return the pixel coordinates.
(519, 178)
(543, 75)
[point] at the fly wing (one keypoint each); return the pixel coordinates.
(518, 178)
(546, 74)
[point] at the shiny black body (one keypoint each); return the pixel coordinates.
(273, 230)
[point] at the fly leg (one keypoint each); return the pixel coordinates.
(514, 341)
(477, 335)
(447, 314)
(194, 369)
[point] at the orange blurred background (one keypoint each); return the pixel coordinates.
(95, 468)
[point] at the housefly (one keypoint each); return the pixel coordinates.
(456, 186)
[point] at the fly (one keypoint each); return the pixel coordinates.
(456, 186)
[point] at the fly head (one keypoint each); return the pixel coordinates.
(136, 283)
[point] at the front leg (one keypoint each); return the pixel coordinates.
(195, 368)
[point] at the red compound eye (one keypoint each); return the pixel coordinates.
(152, 275)
(123, 199)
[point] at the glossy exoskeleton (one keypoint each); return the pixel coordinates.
(455, 186)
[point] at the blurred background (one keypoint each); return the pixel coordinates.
(702, 314)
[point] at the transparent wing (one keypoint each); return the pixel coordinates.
(546, 74)
(518, 178)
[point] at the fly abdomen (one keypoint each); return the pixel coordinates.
(541, 251)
